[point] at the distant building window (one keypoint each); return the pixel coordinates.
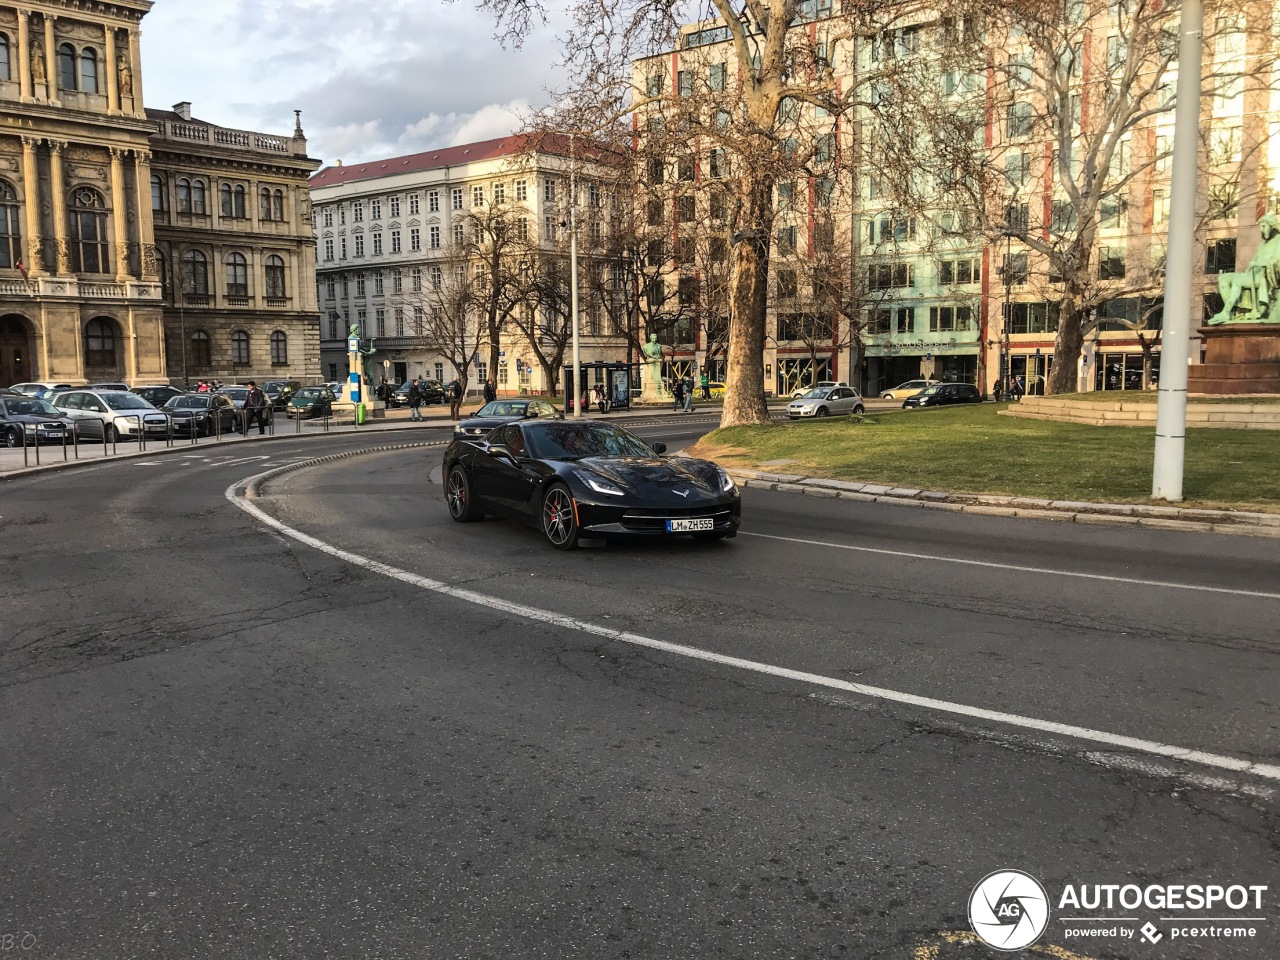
(67, 67)
(459, 234)
(4, 57)
(395, 241)
(99, 343)
(457, 198)
(10, 229)
(274, 276)
(232, 198)
(328, 249)
(279, 348)
(195, 274)
(359, 244)
(522, 191)
(377, 243)
(88, 216)
(433, 202)
(1220, 256)
(237, 275)
(415, 239)
(240, 347)
(191, 196)
(477, 196)
(89, 70)
(375, 209)
(434, 236)
(395, 206)
(328, 217)
(201, 354)
(158, 198)
(357, 212)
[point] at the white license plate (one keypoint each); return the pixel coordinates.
(690, 526)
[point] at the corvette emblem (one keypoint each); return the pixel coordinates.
(683, 493)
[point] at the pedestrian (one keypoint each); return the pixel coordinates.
(202, 387)
(997, 391)
(1016, 389)
(415, 400)
(688, 394)
(255, 404)
(455, 399)
(602, 400)
(705, 383)
(677, 393)
(490, 391)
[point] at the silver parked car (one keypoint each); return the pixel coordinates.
(111, 414)
(799, 392)
(824, 401)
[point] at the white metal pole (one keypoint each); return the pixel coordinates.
(573, 280)
(1171, 404)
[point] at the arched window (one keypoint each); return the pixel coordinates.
(159, 201)
(275, 278)
(195, 274)
(279, 348)
(162, 270)
(88, 215)
(238, 201)
(89, 70)
(4, 57)
(184, 195)
(232, 200)
(67, 67)
(240, 347)
(237, 275)
(197, 197)
(277, 205)
(99, 343)
(201, 354)
(264, 204)
(10, 227)
(224, 195)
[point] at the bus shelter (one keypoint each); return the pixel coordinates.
(617, 378)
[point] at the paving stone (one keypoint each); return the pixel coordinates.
(904, 492)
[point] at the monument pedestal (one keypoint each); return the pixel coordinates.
(1239, 358)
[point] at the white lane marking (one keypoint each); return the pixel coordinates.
(880, 693)
(1021, 569)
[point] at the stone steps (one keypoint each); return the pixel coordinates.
(1120, 413)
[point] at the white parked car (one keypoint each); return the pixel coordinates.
(111, 414)
(908, 389)
(824, 401)
(799, 392)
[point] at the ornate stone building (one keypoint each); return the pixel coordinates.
(82, 291)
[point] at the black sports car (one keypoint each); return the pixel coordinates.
(497, 412)
(584, 479)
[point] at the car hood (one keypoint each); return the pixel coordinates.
(481, 425)
(678, 480)
(34, 418)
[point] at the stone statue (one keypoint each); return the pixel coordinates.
(1251, 295)
(652, 389)
(37, 62)
(125, 75)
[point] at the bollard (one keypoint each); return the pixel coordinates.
(35, 435)
(25, 462)
(142, 433)
(297, 422)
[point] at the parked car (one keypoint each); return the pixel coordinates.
(279, 391)
(799, 392)
(943, 394)
(42, 389)
(157, 395)
(202, 414)
(40, 420)
(113, 385)
(908, 389)
(495, 413)
(111, 414)
(581, 478)
(311, 402)
(335, 387)
(236, 393)
(824, 401)
(432, 392)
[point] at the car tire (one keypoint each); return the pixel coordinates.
(559, 524)
(904, 405)
(822, 412)
(859, 410)
(11, 439)
(458, 496)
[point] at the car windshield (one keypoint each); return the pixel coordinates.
(307, 393)
(817, 393)
(125, 401)
(503, 408)
(187, 403)
(28, 406)
(564, 440)
(931, 391)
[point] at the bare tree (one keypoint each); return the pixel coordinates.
(442, 315)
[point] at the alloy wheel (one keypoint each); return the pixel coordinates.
(558, 521)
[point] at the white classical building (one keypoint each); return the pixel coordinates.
(397, 238)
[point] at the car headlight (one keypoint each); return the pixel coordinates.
(599, 484)
(726, 482)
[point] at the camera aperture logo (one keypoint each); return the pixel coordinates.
(1009, 910)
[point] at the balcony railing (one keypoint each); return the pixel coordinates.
(225, 137)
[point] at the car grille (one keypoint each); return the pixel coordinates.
(655, 519)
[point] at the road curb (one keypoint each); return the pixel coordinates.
(1189, 519)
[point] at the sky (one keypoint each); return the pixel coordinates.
(373, 78)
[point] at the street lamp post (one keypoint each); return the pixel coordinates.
(573, 279)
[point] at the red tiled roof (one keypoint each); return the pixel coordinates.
(550, 143)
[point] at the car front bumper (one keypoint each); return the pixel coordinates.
(620, 520)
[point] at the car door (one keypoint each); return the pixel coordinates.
(514, 478)
(846, 401)
(73, 404)
(489, 466)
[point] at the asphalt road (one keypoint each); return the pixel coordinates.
(224, 742)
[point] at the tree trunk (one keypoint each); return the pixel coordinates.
(1067, 346)
(744, 400)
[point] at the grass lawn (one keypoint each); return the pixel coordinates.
(970, 449)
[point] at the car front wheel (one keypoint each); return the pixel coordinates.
(859, 410)
(12, 439)
(457, 493)
(558, 520)
(822, 412)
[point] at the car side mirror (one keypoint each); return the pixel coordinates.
(659, 446)
(500, 450)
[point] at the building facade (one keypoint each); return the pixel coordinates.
(86, 286)
(235, 251)
(414, 251)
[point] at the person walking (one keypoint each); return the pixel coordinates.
(688, 394)
(677, 394)
(490, 391)
(455, 399)
(255, 407)
(997, 391)
(415, 400)
(705, 383)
